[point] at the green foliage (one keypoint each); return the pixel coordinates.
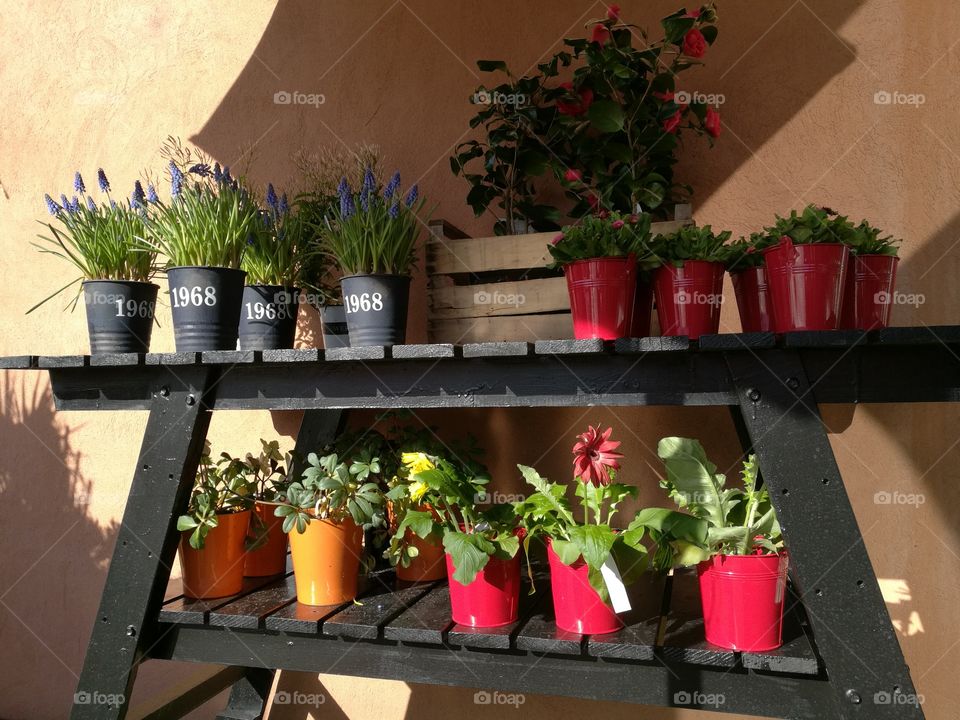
(280, 251)
(502, 166)
(613, 235)
(748, 252)
(691, 243)
(736, 521)
(220, 487)
(813, 225)
(866, 240)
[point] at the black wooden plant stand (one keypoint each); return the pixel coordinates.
(841, 657)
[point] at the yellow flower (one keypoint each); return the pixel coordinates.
(418, 489)
(417, 462)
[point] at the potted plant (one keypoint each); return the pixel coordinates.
(106, 242)
(372, 237)
(807, 269)
(481, 543)
(741, 562)
(203, 231)
(266, 541)
(325, 513)
(274, 261)
(599, 258)
(502, 167)
(749, 276)
(871, 278)
(591, 562)
(688, 285)
(214, 529)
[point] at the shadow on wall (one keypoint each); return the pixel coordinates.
(57, 555)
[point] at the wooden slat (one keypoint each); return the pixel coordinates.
(929, 335)
(824, 338)
(636, 641)
(424, 622)
(497, 349)
(364, 621)
(555, 326)
(540, 633)
(250, 610)
(499, 298)
(227, 357)
(592, 346)
(174, 358)
(427, 351)
(296, 355)
(298, 618)
(503, 637)
(365, 352)
(639, 346)
(63, 361)
(197, 612)
(683, 638)
(116, 359)
(443, 229)
(796, 655)
(18, 362)
(736, 341)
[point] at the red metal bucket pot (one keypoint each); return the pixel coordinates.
(492, 599)
(576, 605)
(753, 299)
(602, 293)
(742, 598)
(642, 309)
(689, 298)
(868, 295)
(806, 284)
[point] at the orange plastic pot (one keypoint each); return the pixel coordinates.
(217, 569)
(430, 563)
(326, 561)
(271, 557)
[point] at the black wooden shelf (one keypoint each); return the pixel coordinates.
(840, 650)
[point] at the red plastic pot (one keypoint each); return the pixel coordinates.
(742, 598)
(806, 284)
(753, 299)
(868, 295)
(689, 298)
(492, 599)
(602, 293)
(577, 606)
(642, 309)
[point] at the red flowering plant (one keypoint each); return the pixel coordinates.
(618, 121)
(603, 235)
(548, 513)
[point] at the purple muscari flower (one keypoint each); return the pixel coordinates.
(75, 205)
(272, 200)
(392, 186)
(394, 211)
(52, 206)
(412, 196)
(226, 175)
(113, 204)
(217, 172)
(346, 199)
(64, 202)
(201, 169)
(369, 181)
(250, 239)
(102, 180)
(91, 205)
(284, 206)
(78, 183)
(138, 195)
(176, 180)
(152, 194)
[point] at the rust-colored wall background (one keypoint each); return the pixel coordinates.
(102, 84)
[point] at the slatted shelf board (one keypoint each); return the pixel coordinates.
(665, 623)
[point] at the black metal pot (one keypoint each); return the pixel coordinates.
(205, 304)
(333, 319)
(268, 318)
(119, 315)
(376, 307)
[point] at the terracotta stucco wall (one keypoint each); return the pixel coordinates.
(103, 84)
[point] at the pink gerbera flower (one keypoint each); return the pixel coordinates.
(594, 456)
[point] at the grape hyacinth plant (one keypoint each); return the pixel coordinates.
(277, 251)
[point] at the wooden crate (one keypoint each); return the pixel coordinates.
(498, 288)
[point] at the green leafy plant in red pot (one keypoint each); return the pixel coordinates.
(807, 269)
(591, 562)
(688, 285)
(749, 275)
(871, 279)
(481, 540)
(214, 528)
(741, 563)
(266, 541)
(599, 257)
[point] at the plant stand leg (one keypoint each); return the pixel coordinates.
(248, 696)
(146, 543)
(851, 626)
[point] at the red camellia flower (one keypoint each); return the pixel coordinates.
(572, 175)
(664, 96)
(693, 13)
(694, 43)
(613, 12)
(673, 122)
(600, 34)
(593, 201)
(594, 456)
(574, 108)
(712, 122)
(617, 224)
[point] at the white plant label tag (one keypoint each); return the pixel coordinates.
(615, 586)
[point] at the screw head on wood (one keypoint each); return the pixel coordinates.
(131, 631)
(793, 383)
(754, 395)
(191, 400)
(854, 697)
(165, 391)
